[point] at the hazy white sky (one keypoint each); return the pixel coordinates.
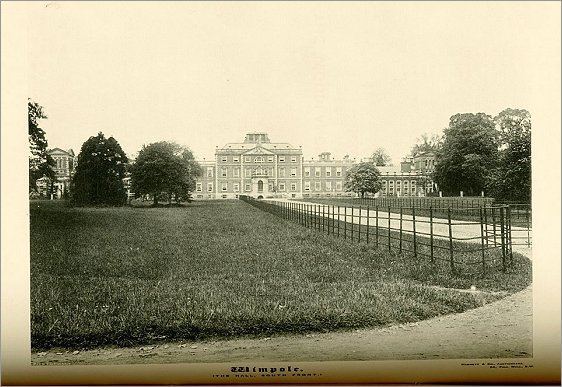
(339, 77)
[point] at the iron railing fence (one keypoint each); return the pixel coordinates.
(460, 209)
(463, 245)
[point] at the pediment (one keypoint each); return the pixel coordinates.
(259, 150)
(59, 151)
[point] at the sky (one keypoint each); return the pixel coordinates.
(344, 78)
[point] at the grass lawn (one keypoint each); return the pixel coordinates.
(128, 276)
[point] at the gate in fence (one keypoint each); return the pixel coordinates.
(477, 239)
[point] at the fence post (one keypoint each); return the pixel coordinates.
(510, 242)
(482, 241)
(352, 222)
(338, 221)
(376, 225)
(528, 225)
(368, 217)
(400, 248)
(345, 222)
(502, 230)
(486, 224)
(431, 234)
(450, 240)
(494, 225)
(414, 224)
(388, 229)
(359, 231)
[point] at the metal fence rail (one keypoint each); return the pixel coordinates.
(463, 245)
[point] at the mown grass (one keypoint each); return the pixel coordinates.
(127, 276)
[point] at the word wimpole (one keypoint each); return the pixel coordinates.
(266, 369)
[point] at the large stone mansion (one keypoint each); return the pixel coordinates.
(260, 168)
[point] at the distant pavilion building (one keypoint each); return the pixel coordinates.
(65, 164)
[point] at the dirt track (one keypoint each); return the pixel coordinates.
(499, 329)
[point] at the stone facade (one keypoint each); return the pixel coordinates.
(260, 168)
(65, 164)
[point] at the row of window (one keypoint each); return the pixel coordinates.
(258, 159)
(235, 172)
(318, 171)
(328, 186)
(247, 187)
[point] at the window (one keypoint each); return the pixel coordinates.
(269, 159)
(317, 171)
(307, 185)
(338, 185)
(224, 186)
(236, 187)
(236, 172)
(293, 171)
(236, 159)
(328, 171)
(223, 196)
(281, 186)
(328, 186)
(199, 196)
(281, 159)
(258, 159)
(317, 186)
(293, 159)
(338, 171)
(281, 172)
(247, 187)
(248, 172)
(209, 172)
(247, 159)
(293, 187)
(270, 187)
(209, 187)
(307, 172)
(199, 187)
(224, 159)
(223, 172)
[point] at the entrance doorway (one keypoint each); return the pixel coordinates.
(260, 186)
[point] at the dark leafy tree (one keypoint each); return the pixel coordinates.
(164, 169)
(363, 178)
(511, 180)
(40, 162)
(380, 158)
(468, 154)
(99, 174)
(426, 143)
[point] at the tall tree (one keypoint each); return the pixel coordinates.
(426, 143)
(99, 174)
(164, 168)
(468, 154)
(40, 162)
(380, 158)
(363, 178)
(511, 180)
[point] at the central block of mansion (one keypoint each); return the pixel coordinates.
(260, 168)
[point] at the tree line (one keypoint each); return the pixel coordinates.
(164, 170)
(477, 152)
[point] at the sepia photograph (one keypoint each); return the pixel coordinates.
(280, 192)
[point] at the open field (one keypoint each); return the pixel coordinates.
(127, 276)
